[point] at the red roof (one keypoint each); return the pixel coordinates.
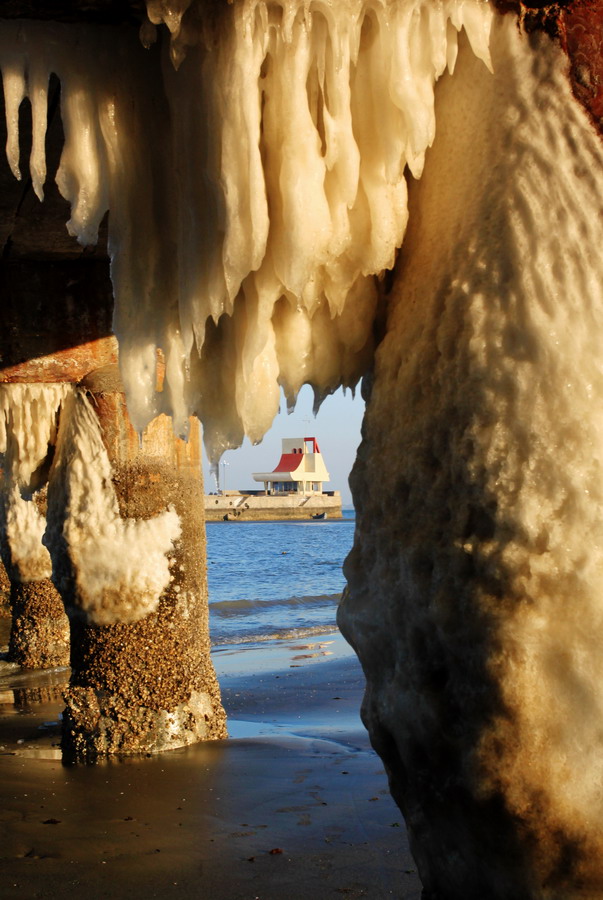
(289, 462)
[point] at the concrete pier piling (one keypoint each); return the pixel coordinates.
(147, 685)
(39, 637)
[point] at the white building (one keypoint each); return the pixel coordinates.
(301, 469)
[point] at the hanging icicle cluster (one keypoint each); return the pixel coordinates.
(28, 429)
(122, 566)
(255, 188)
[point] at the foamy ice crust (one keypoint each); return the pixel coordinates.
(28, 426)
(256, 185)
(121, 566)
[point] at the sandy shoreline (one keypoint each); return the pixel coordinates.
(296, 777)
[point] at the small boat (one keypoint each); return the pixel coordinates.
(318, 516)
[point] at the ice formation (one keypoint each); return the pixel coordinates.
(476, 581)
(121, 566)
(28, 430)
(254, 192)
(50, 434)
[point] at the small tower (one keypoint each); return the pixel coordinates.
(301, 469)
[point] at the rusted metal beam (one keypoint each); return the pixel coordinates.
(56, 320)
(578, 26)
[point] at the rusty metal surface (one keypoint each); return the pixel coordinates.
(55, 320)
(578, 26)
(63, 366)
(582, 38)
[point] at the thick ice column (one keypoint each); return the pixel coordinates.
(476, 580)
(128, 545)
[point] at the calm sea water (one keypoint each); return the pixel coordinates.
(271, 580)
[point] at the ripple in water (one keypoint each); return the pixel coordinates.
(270, 580)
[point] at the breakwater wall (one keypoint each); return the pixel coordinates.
(239, 506)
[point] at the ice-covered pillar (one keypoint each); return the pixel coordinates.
(126, 531)
(476, 580)
(39, 636)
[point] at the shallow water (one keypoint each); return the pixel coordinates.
(274, 589)
(275, 580)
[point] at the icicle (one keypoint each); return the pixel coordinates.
(82, 178)
(476, 19)
(13, 79)
(168, 11)
(260, 187)
(28, 414)
(38, 93)
(247, 220)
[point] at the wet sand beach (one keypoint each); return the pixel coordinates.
(293, 806)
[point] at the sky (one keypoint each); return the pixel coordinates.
(336, 428)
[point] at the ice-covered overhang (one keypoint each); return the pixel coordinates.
(255, 172)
